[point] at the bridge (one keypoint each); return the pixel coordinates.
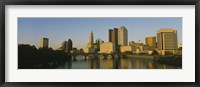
(105, 55)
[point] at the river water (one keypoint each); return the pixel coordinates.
(116, 63)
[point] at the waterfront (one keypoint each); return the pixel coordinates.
(113, 63)
(71, 47)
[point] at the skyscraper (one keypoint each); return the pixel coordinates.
(167, 40)
(151, 41)
(91, 42)
(44, 42)
(69, 45)
(110, 35)
(90, 46)
(122, 36)
(113, 36)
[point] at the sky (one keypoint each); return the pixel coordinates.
(30, 30)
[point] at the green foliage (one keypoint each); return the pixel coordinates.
(29, 57)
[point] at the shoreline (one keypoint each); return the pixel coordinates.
(156, 57)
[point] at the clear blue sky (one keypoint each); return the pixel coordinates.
(30, 30)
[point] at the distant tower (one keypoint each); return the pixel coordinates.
(69, 45)
(91, 42)
(122, 36)
(90, 45)
(44, 42)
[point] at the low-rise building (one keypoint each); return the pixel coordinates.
(107, 47)
(143, 49)
(127, 49)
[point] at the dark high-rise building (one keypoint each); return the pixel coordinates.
(110, 35)
(113, 37)
(69, 45)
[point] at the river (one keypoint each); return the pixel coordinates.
(116, 63)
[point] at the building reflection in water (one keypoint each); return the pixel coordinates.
(116, 63)
(125, 63)
(106, 64)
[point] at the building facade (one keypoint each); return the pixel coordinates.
(127, 49)
(123, 36)
(44, 42)
(107, 47)
(167, 41)
(151, 41)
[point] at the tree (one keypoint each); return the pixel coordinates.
(154, 52)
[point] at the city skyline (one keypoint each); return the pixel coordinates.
(30, 30)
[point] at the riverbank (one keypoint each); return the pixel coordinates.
(170, 60)
(29, 57)
(167, 59)
(141, 56)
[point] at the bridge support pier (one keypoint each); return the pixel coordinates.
(105, 56)
(85, 57)
(74, 57)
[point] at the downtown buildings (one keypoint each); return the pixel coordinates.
(66, 46)
(118, 37)
(165, 42)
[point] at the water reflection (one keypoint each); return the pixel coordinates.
(116, 63)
